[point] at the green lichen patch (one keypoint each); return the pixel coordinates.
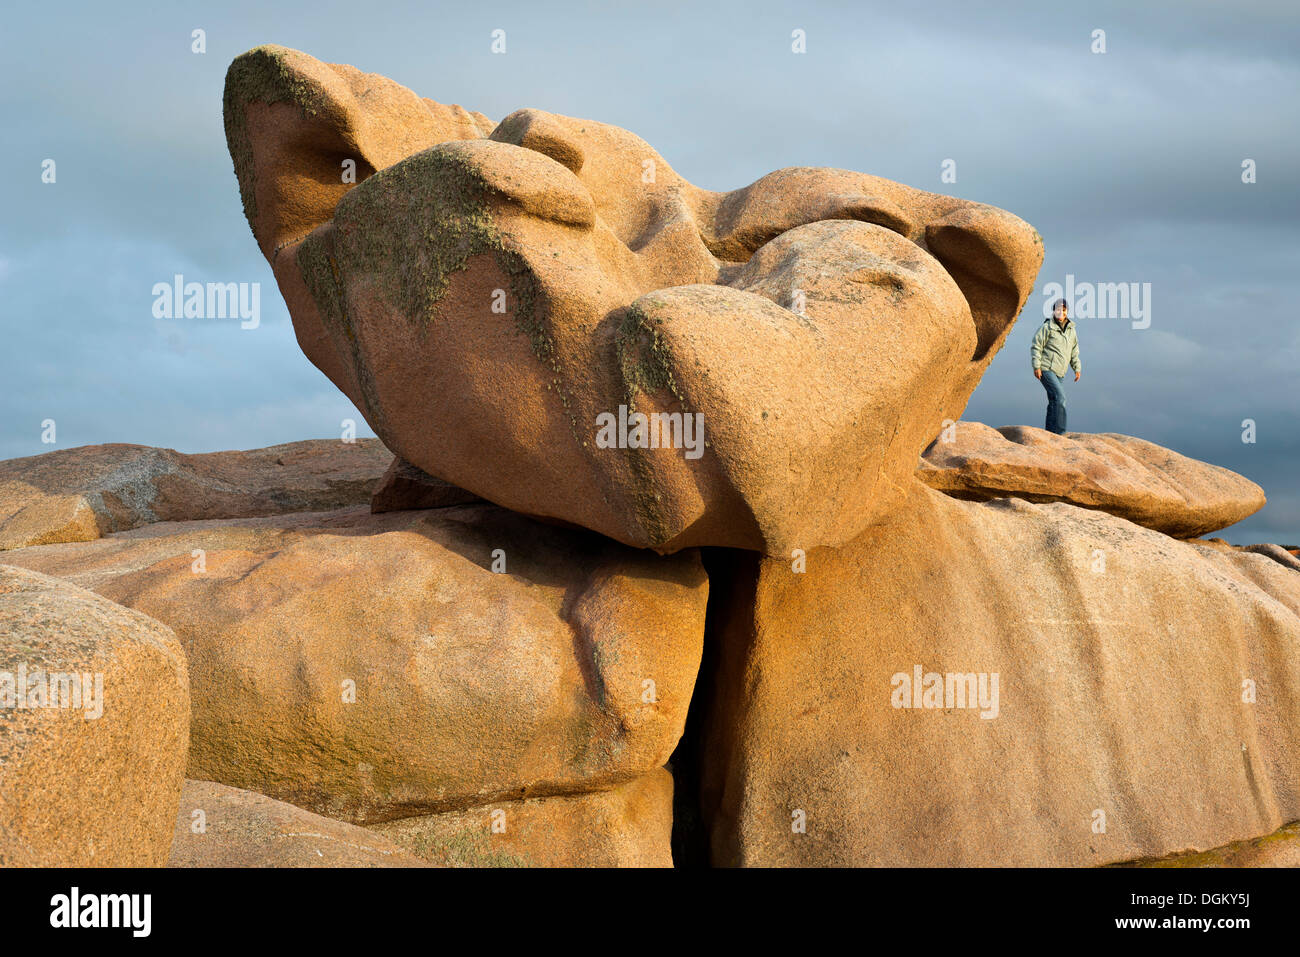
(409, 229)
(643, 357)
(467, 847)
(265, 74)
(320, 271)
(1226, 856)
(319, 264)
(644, 365)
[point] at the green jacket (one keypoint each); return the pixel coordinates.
(1055, 348)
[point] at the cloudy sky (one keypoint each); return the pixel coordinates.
(1128, 162)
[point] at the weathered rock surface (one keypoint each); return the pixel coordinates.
(77, 495)
(220, 826)
(1119, 474)
(486, 299)
(286, 115)
(629, 826)
(94, 721)
(1283, 556)
(1124, 660)
(406, 487)
(570, 671)
(1279, 849)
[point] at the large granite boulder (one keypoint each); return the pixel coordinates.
(94, 723)
(1120, 474)
(76, 495)
(545, 314)
(372, 667)
(1001, 683)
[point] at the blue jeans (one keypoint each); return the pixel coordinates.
(1055, 401)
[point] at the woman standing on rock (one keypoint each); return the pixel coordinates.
(1055, 348)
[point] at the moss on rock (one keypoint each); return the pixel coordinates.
(411, 227)
(264, 74)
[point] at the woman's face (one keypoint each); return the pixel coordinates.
(1059, 312)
